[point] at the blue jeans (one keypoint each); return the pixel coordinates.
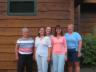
(42, 63)
(58, 63)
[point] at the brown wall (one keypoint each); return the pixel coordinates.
(88, 23)
(77, 17)
(50, 13)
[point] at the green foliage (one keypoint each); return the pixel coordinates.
(89, 50)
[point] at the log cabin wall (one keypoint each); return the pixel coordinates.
(88, 19)
(77, 18)
(88, 23)
(77, 4)
(49, 13)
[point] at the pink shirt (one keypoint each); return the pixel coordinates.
(59, 45)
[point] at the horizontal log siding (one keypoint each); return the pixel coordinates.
(49, 13)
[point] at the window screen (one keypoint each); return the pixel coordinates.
(21, 7)
(88, 7)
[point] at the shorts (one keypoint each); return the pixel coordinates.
(73, 55)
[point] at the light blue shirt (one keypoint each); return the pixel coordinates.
(42, 45)
(73, 40)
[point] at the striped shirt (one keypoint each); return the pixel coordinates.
(25, 45)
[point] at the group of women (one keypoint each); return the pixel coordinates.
(49, 50)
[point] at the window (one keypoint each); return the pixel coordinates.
(88, 7)
(22, 7)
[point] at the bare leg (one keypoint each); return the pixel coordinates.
(70, 69)
(77, 66)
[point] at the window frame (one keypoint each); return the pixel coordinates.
(22, 14)
(88, 7)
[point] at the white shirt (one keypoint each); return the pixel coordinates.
(42, 45)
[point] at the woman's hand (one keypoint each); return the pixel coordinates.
(79, 54)
(65, 57)
(17, 57)
(49, 59)
(34, 57)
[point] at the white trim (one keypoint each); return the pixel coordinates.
(25, 52)
(28, 41)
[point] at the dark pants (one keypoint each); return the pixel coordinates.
(49, 67)
(73, 55)
(25, 61)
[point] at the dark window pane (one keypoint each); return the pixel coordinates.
(89, 8)
(22, 7)
(19, 6)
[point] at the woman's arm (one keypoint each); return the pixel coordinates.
(35, 45)
(49, 54)
(79, 47)
(65, 45)
(79, 38)
(34, 54)
(16, 51)
(49, 49)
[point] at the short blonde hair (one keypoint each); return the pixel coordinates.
(71, 25)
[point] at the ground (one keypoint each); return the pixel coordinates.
(93, 69)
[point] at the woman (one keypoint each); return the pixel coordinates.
(24, 51)
(48, 31)
(74, 44)
(49, 34)
(59, 50)
(42, 50)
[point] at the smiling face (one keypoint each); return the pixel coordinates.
(41, 31)
(70, 28)
(58, 30)
(25, 32)
(48, 30)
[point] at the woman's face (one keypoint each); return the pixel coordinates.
(58, 30)
(70, 28)
(26, 34)
(41, 31)
(48, 30)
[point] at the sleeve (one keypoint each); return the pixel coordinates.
(78, 36)
(65, 35)
(35, 42)
(52, 42)
(49, 42)
(18, 42)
